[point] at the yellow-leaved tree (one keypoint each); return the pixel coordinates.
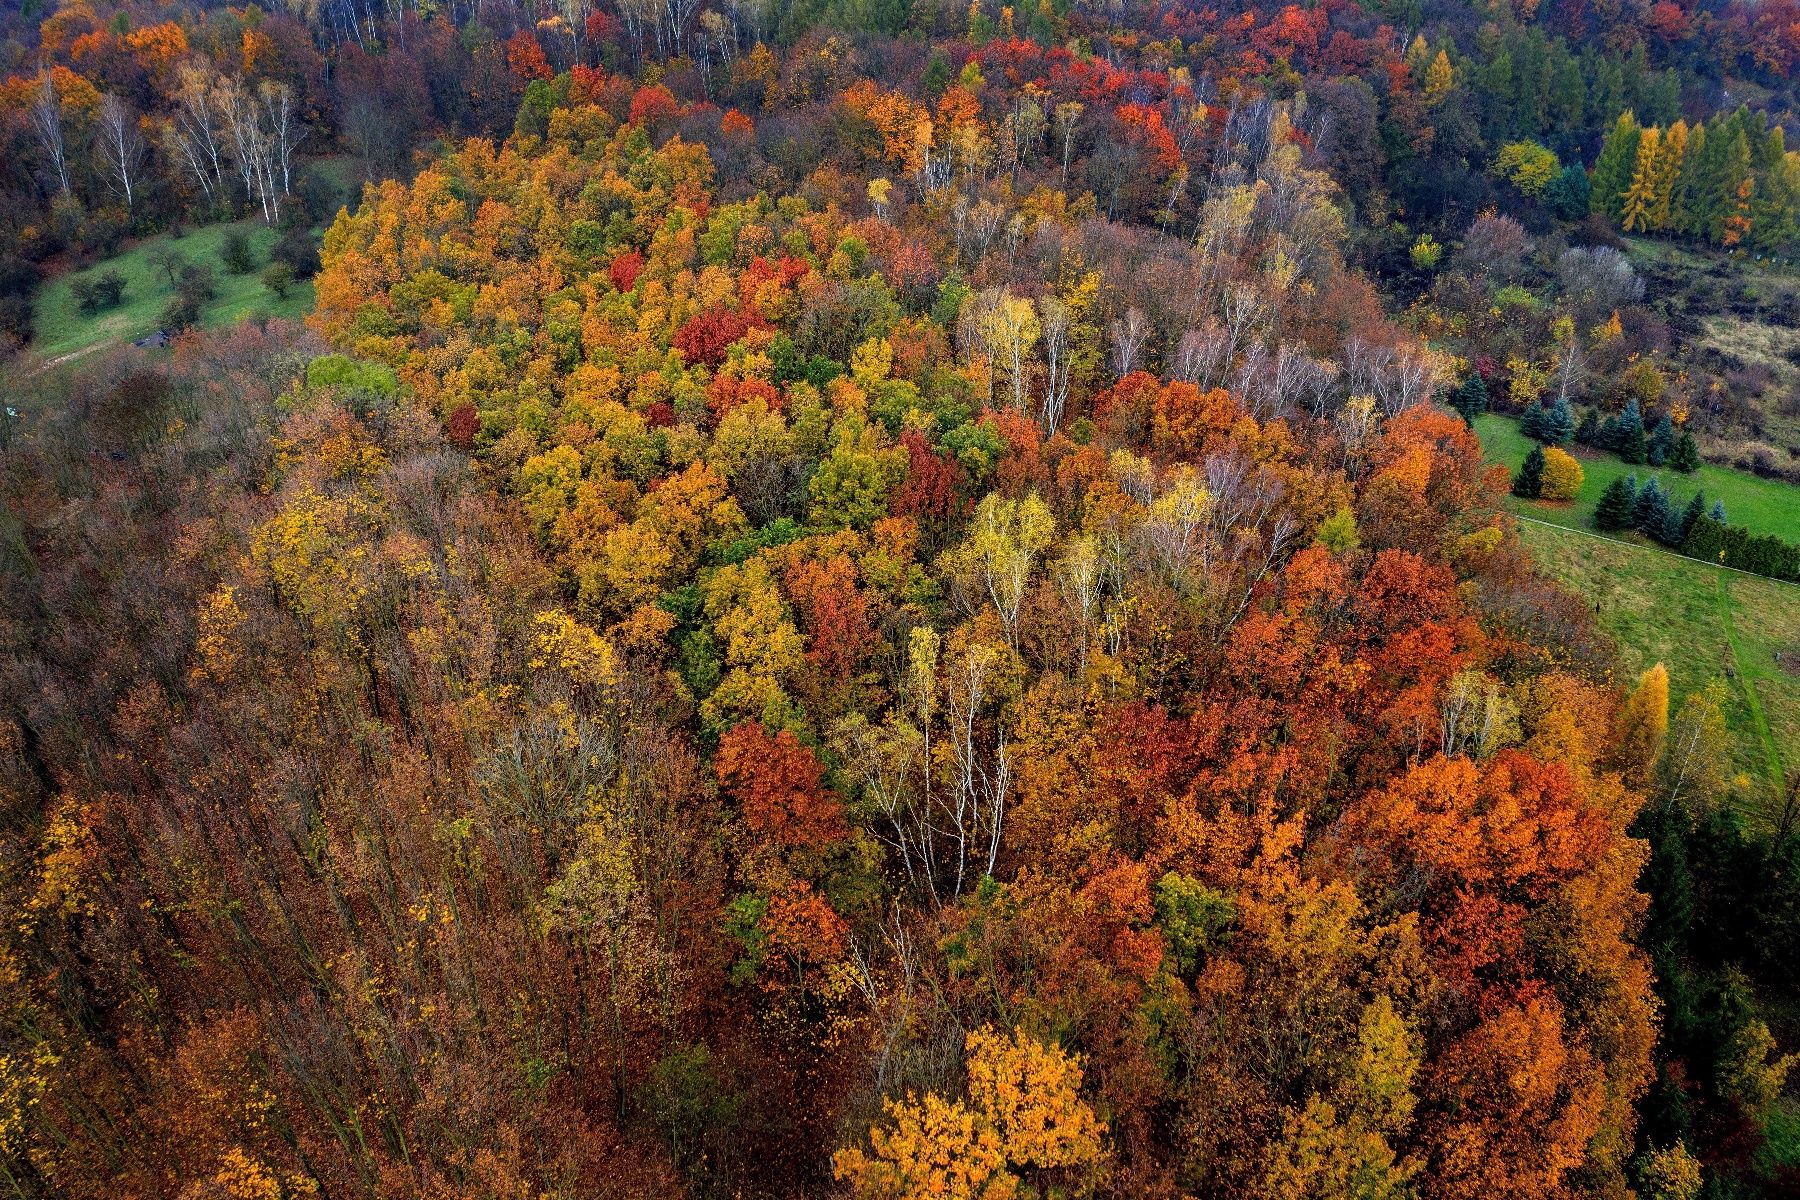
(1023, 1130)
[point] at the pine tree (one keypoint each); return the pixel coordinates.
(1558, 425)
(1718, 512)
(1639, 199)
(1617, 504)
(1685, 455)
(1651, 512)
(1528, 484)
(1613, 168)
(1629, 441)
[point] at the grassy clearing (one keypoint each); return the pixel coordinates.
(1764, 505)
(63, 330)
(1703, 623)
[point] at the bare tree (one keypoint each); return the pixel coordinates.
(195, 134)
(1053, 319)
(1129, 335)
(47, 127)
(1068, 117)
(265, 131)
(121, 148)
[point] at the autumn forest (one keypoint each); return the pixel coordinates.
(843, 598)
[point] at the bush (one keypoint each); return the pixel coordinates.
(97, 292)
(278, 277)
(193, 292)
(237, 254)
(16, 321)
(1562, 477)
(298, 250)
(180, 313)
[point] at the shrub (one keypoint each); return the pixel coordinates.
(237, 254)
(97, 292)
(194, 291)
(1562, 476)
(298, 250)
(180, 313)
(278, 277)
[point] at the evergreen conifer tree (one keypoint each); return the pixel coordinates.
(1531, 421)
(1470, 398)
(1661, 443)
(1617, 502)
(1678, 531)
(1718, 512)
(1568, 194)
(1629, 441)
(1529, 482)
(1588, 432)
(1685, 455)
(1614, 166)
(1559, 423)
(1651, 512)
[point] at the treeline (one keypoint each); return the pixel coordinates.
(118, 123)
(1730, 182)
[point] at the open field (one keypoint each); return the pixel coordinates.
(63, 330)
(1703, 623)
(1764, 505)
(1735, 319)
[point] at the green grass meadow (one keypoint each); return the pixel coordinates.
(1764, 505)
(64, 330)
(1702, 622)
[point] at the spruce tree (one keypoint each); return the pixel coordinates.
(1678, 531)
(1661, 443)
(1568, 194)
(1617, 502)
(1630, 437)
(1559, 423)
(1528, 484)
(1470, 398)
(1588, 432)
(1718, 512)
(1651, 512)
(1685, 455)
(1531, 422)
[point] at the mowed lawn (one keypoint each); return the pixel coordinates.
(63, 329)
(1704, 624)
(1763, 505)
